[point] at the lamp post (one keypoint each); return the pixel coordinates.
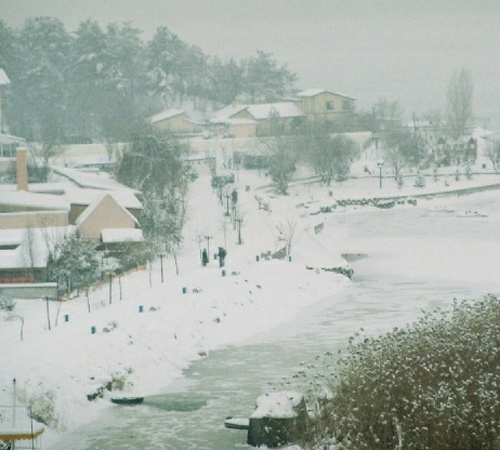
(207, 238)
(227, 203)
(380, 164)
(238, 220)
(48, 311)
(375, 139)
(109, 273)
(161, 255)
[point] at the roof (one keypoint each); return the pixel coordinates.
(4, 79)
(167, 114)
(32, 200)
(125, 197)
(266, 110)
(224, 114)
(259, 112)
(115, 235)
(95, 204)
(38, 244)
(314, 92)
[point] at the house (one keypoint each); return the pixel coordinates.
(456, 151)
(259, 120)
(322, 105)
(226, 123)
(30, 221)
(104, 213)
(175, 121)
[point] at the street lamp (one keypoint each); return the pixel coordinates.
(161, 256)
(380, 164)
(109, 274)
(227, 203)
(375, 139)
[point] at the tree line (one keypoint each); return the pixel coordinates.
(94, 82)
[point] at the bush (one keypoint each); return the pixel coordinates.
(7, 304)
(433, 385)
(42, 407)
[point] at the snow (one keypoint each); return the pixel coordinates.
(313, 92)
(279, 405)
(148, 331)
(267, 110)
(167, 114)
(114, 235)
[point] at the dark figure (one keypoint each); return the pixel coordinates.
(204, 258)
(222, 256)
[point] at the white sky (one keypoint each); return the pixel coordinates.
(399, 49)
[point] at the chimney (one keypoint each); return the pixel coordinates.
(22, 169)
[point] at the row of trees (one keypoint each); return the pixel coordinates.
(94, 82)
(328, 155)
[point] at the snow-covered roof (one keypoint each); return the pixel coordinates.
(266, 110)
(115, 235)
(93, 206)
(259, 112)
(224, 114)
(38, 245)
(32, 200)
(314, 92)
(9, 139)
(4, 79)
(124, 197)
(482, 132)
(164, 115)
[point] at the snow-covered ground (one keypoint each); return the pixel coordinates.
(148, 331)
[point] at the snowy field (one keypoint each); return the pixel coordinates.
(148, 331)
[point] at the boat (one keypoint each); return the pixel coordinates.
(127, 400)
(9, 437)
(236, 423)
(13, 435)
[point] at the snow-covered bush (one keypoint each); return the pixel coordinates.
(419, 181)
(7, 304)
(432, 385)
(42, 407)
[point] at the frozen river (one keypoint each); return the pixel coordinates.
(418, 258)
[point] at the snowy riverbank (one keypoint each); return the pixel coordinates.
(183, 318)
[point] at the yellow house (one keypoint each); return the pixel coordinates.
(321, 105)
(104, 213)
(175, 121)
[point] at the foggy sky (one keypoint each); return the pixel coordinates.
(368, 49)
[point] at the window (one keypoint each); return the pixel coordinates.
(346, 105)
(329, 105)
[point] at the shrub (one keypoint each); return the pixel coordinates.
(7, 304)
(432, 385)
(42, 407)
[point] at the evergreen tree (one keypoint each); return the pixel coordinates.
(74, 261)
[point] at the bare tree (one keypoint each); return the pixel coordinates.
(459, 102)
(493, 152)
(287, 231)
